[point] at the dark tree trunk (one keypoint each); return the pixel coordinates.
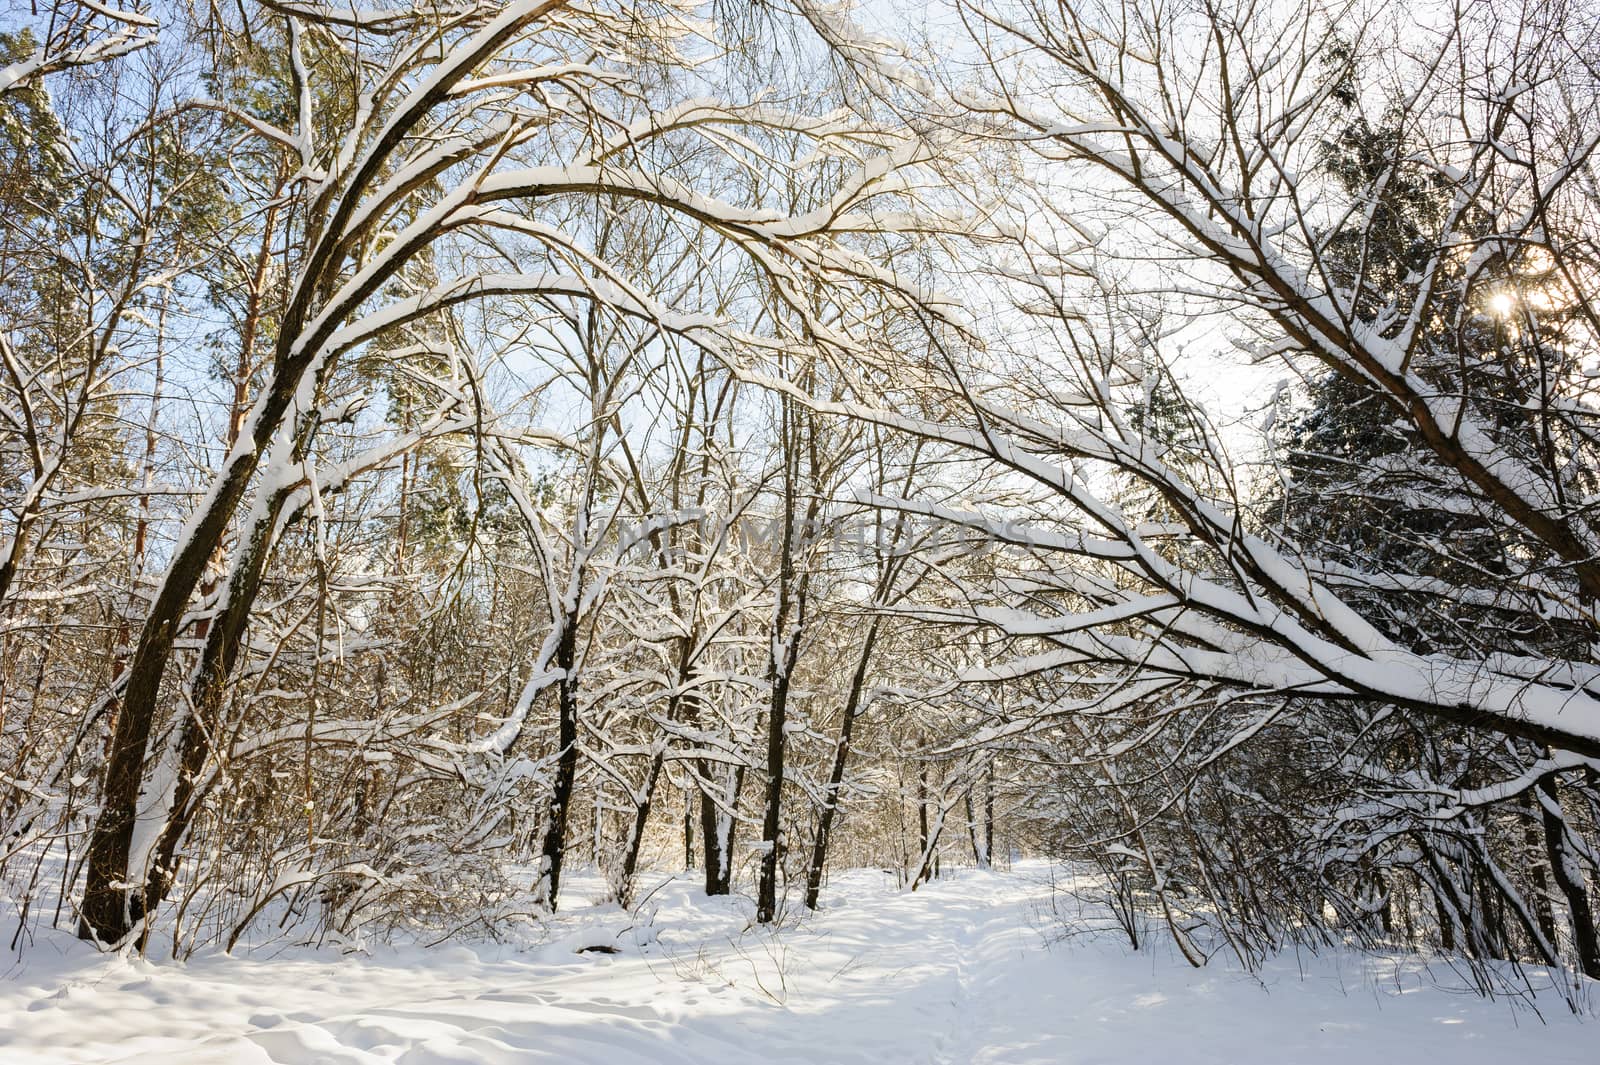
(1447, 901)
(1447, 926)
(112, 906)
(718, 878)
(202, 723)
(715, 849)
(922, 809)
(717, 833)
(1569, 878)
(788, 621)
(688, 828)
(988, 816)
(641, 818)
(771, 823)
(710, 837)
(554, 847)
(928, 861)
(972, 831)
(111, 910)
(1535, 843)
(841, 754)
(679, 702)
(983, 834)
(1490, 910)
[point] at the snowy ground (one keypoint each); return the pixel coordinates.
(961, 971)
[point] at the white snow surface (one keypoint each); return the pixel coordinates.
(971, 968)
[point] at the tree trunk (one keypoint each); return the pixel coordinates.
(714, 848)
(788, 619)
(978, 859)
(688, 828)
(988, 816)
(925, 843)
(710, 837)
(717, 827)
(553, 850)
(1569, 878)
(922, 807)
(841, 754)
(641, 818)
(679, 701)
(771, 823)
(1537, 865)
(112, 907)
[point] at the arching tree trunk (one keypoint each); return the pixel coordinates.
(112, 907)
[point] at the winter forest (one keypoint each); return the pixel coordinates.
(466, 464)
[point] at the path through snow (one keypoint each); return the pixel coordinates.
(959, 972)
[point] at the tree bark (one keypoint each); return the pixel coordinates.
(788, 621)
(553, 848)
(717, 831)
(1569, 878)
(841, 754)
(641, 818)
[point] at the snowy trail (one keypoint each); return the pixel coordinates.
(959, 972)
